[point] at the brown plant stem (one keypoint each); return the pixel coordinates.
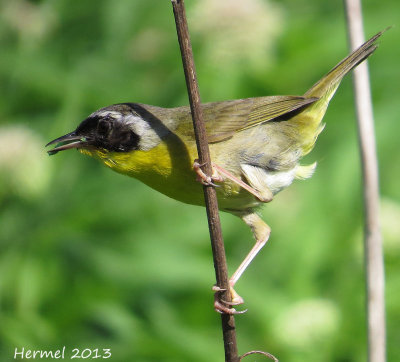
(373, 250)
(221, 271)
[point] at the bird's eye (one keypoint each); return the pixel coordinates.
(103, 127)
(128, 140)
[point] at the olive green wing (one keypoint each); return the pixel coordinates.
(224, 119)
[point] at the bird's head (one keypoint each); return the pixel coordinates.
(115, 128)
(130, 138)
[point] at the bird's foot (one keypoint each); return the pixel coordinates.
(205, 179)
(223, 306)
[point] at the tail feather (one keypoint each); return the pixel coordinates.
(331, 80)
(310, 119)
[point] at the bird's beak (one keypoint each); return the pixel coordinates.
(70, 140)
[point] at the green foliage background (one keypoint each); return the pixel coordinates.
(92, 259)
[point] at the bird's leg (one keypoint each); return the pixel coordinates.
(261, 232)
(216, 177)
(259, 228)
(238, 181)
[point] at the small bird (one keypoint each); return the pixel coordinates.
(256, 145)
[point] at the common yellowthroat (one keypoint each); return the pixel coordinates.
(256, 145)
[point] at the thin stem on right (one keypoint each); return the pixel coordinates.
(372, 240)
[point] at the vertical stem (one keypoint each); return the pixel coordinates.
(221, 271)
(372, 239)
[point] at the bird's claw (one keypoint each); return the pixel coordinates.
(222, 309)
(203, 178)
(222, 306)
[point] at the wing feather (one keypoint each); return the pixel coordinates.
(224, 119)
(234, 116)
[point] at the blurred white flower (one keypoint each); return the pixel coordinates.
(24, 169)
(307, 322)
(237, 30)
(147, 45)
(31, 21)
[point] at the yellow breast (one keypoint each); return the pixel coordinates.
(168, 168)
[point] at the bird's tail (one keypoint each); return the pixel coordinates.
(326, 87)
(310, 119)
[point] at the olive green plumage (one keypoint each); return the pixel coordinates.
(268, 135)
(256, 145)
(259, 140)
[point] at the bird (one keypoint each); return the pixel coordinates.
(256, 145)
